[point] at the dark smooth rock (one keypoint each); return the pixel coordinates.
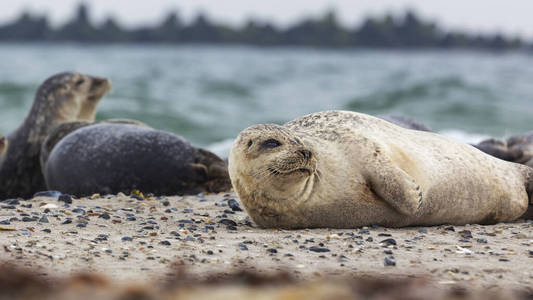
(389, 262)
(318, 249)
(227, 222)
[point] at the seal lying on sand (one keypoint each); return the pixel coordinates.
(61, 98)
(108, 158)
(344, 169)
(405, 122)
(518, 149)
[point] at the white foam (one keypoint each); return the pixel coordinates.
(465, 137)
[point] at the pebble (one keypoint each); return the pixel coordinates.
(28, 219)
(234, 205)
(47, 230)
(43, 219)
(272, 250)
(318, 249)
(482, 240)
(105, 216)
(388, 242)
(165, 242)
(127, 239)
(228, 222)
(67, 221)
(389, 262)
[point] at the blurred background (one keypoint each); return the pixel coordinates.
(207, 69)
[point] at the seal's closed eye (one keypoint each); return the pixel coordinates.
(250, 143)
(80, 82)
(270, 143)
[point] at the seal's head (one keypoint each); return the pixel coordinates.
(272, 161)
(71, 96)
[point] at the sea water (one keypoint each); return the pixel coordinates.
(208, 94)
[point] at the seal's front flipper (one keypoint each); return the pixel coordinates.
(395, 187)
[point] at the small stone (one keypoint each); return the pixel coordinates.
(43, 219)
(127, 239)
(272, 250)
(234, 205)
(388, 251)
(28, 219)
(450, 228)
(389, 262)
(47, 230)
(166, 203)
(5, 222)
(228, 222)
(81, 225)
(209, 252)
(318, 249)
(105, 216)
(65, 198)
(166, 243)
(388, 242)
(384, 234)
(482, 240)
(68, 221)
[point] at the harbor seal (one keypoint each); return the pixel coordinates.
(343, 169)
(109, 158)
(61, 98)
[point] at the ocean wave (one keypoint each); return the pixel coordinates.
(426, 92)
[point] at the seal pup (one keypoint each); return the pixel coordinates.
(343, 169)
(109, 158)
(61, 98)
(405, 122)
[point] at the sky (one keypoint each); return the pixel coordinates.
(512, 17)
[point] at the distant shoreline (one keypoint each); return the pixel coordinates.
(386, 32)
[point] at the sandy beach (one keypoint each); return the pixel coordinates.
(140, 238)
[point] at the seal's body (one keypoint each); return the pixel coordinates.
(108, 158)
(60, 131)
(62, 98)
(344, 169)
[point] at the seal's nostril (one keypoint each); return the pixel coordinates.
(306, 153)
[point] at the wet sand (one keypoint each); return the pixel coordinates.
(139, 239)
